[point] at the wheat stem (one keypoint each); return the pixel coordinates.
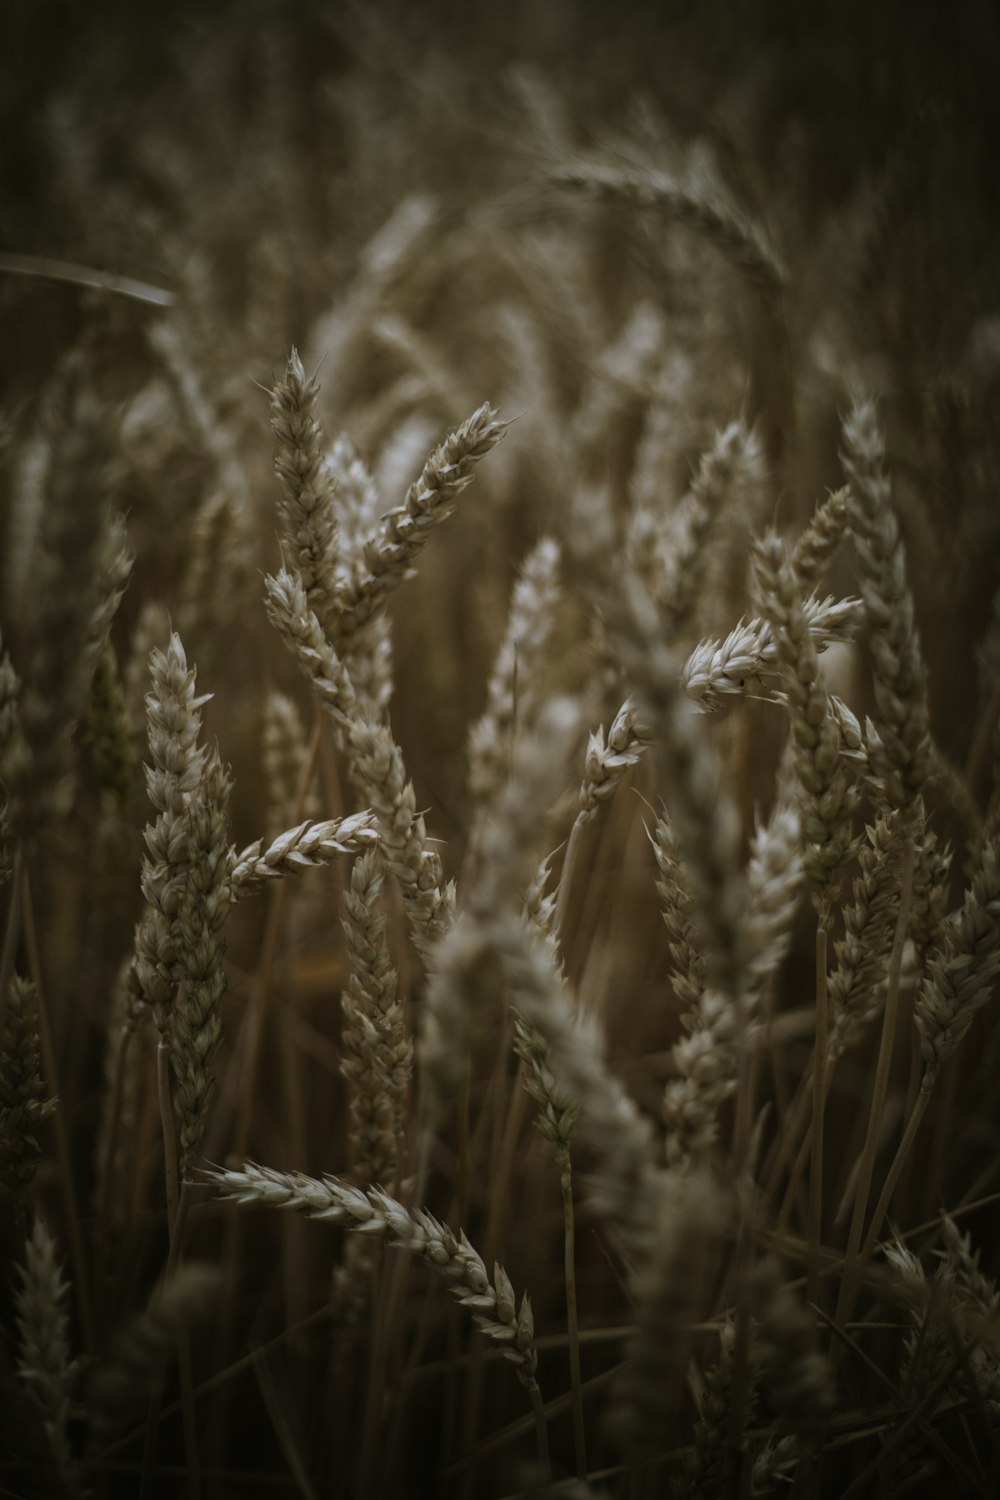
(818, 1100)
(572, 1320)
(566, 878)
(111, 1146)
(880, 1088)
(895, 1171)
(12, 926)
(78, 1258)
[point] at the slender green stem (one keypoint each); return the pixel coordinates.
(572, 1322)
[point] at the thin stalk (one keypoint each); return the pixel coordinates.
(746, 1096)
(165, 1097)
(916, 1071)
(742, 1134)
(741, 1349)
(892, 1442)
(511, 1113)
(473, 1384)
(937, 1166)
(49, 269)
(371, 1449)
(463, 1146)
(795, 1120)
(895, 1171)
(502, 1170)
(566, 879)
(104, 1207)
(572, 1321)
(983, 738)
(177, 1240)
(175, 1227)
(12, 927)
(388, 1317)
(815, 1226)
(165, 1104)
(260, 990)
(880, 1089)
(295, 1227)
(541, 1431)
(805, 1147)
(246, 1070)
(78, 1259)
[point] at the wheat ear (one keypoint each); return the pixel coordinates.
(403, 533)
(307, 845)
(748, 656)
(308, 504)
(24, 1101)
(376, 764)
(702, 206)
(492, 1304)
(512, 686)
(816, 546)
(906, 755)
(44, 1361)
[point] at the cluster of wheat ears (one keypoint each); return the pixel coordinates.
(637, 1008)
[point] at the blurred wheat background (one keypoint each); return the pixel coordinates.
(499, 736)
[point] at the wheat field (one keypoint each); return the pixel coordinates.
(500, 751)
